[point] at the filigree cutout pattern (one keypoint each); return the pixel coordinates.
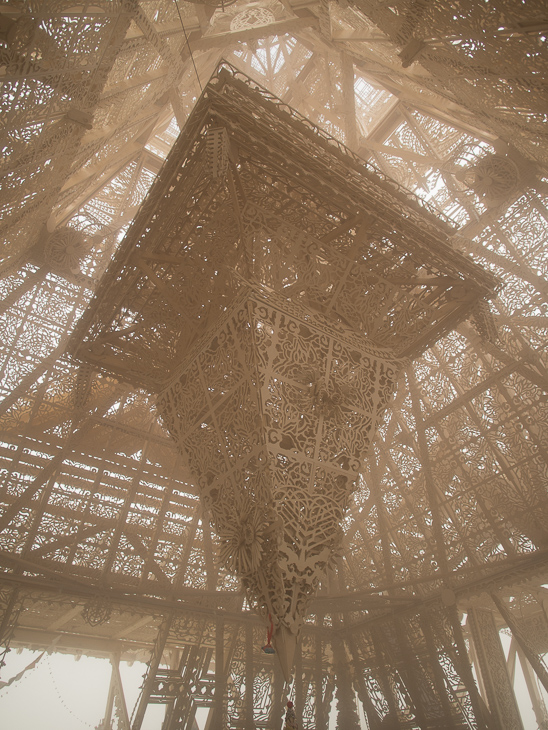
(268, 294)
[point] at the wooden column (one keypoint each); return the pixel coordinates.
(318, 682)
(154, 663)
(299, 694)
(249, 676)
(517, 633)
(220, 678)
(539, 708)
(492, 666)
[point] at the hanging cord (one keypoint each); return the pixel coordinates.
(188, 45)
(268, 648)
(60, 696)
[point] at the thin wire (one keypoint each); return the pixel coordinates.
(188, 45)
(60, 696)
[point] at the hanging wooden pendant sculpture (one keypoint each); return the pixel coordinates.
(270, 289)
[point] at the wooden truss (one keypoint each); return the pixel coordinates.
(104, 544)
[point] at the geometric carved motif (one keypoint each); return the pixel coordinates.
(217, 151)
(268, 291)
(97, 611)
(252, 17)
(275, 412)
(64, 250)
(493, 178)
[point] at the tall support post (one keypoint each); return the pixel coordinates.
(413, 668)
(279, 697)
(403, 636)
(299, 695)
(349, 101)
(182, 707)
(373, 719)
(385, 680)
(437, 673)
(511, 660)
(318, 682)
(464, 667)
(539, 708)
(154, 663)
(461, 655)
(106, 722)
(531, 655)
(347, 717)
(410, 682)
(119, 697)
(220, 678)
(475, 663)
(176, 662)
(492, 665)
(249, 675)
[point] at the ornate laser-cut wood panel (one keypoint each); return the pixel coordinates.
(458, 490)
(273, 389)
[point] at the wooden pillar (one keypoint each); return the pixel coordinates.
(385, 680)
(279, 698)
(539, 708)
(119, 697)
(183, 709)
(494, 673)
(349, 101)
(153, 665)
(318, 682)
(464, 668)
(106, 722)
(438, 677)
(249, 677)
(356, 668)
(517, 633)
(299, 694)
(220, 678)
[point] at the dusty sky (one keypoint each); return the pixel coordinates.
(61, 693)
